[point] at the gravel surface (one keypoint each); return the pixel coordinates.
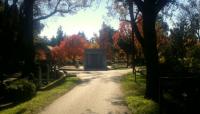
(98, 93)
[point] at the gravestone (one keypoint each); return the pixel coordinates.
(95, 59)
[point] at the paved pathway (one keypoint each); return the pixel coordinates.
(99, 93)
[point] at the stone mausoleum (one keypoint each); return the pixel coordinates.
(95, 59)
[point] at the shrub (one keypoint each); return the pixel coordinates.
(20, 90)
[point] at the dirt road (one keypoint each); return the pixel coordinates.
(99, 93)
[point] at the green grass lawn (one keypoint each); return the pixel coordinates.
(134, 95)
(42, 99)
(119, 66)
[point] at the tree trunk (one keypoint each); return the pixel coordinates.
(127, 62)
(151, 55)
(28, 37)
(133, 52)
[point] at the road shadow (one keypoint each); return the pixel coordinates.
(89, 111)
(115, 79)
(84, 82)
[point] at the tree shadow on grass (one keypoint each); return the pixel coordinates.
(6, 103)
(21, 111)
(116, 79)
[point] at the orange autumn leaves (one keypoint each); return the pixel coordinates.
(70, 48)
(125, 33)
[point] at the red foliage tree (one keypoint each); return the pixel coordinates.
(71, 48)
(123, 39)
(58, 57)
(75, 46)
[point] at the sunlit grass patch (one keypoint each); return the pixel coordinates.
(134, 95)
(119, 66)
(130, 87)
(42, 99)
(140, 105)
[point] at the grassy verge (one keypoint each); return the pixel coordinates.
(119, 66)
(134, 95)
(42, 99)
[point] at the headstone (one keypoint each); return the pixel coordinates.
(95, 59)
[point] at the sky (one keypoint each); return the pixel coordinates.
(88, 21)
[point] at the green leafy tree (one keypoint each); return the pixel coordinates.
(106, 41)
(60, 35)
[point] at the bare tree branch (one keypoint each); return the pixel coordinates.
(71, 7)
(136, 15)
(160, 5)
(134, 25)
(50, 14)
(139, 4)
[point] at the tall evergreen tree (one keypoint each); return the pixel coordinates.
(60, 35)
